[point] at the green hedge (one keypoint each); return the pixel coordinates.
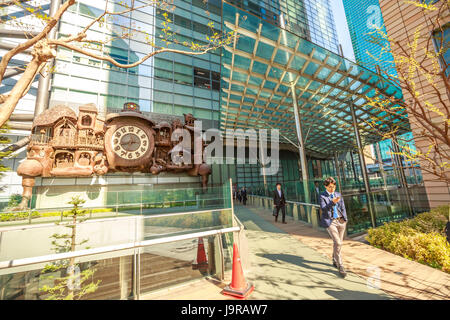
(24, 215)
(420, 239)
(15, 216)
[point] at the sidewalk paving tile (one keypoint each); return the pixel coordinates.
(403, 278)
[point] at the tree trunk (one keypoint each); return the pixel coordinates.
(72, 260)
(7, 108)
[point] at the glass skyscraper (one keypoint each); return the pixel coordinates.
(365, 23)
(309, 19)
(321, 24)
(169, 83)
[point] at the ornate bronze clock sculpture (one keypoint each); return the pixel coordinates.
(65, 144)
(129, 141)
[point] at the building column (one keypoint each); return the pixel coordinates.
(380, 164)
(319, 168)
(413, 166)
(383, 174)
(263, 161)
(338, 170)
(355, 174)
(43, 91)
(124, 274)
(301, 145)
(362, 161)
(402, 176)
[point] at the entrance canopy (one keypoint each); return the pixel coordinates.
(262, 65)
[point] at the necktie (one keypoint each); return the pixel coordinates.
(335, 213)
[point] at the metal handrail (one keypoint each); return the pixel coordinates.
(241, 225)
(107, 249)
(123, 205)
(43, 225)
(288, 201)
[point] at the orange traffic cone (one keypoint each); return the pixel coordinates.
(238, 287)
(200, 262)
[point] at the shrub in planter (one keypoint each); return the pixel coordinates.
(383, 236)
(420, 239)
(15, 216)
(433, 221)
(427, 248)
(14, 200)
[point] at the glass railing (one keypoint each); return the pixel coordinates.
(147, 241)
(35, 240)
(121, 274)
(375, 183)
(389, 205)
(3, 203)
(53, 207)
(294, 190)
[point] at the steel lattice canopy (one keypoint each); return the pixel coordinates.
(259, 67)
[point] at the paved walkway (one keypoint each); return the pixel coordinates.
(399, 277)
(282, 267)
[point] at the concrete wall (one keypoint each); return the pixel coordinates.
(56, 192)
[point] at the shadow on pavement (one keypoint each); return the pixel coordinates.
(355, 295)
(301, 262)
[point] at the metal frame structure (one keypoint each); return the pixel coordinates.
(136, 246)
(275, 79)
(258, 94)
(43, 92)
(126, 246)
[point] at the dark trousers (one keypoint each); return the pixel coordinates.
(283, 212)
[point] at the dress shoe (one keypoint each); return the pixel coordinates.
(284, 222)
(342, 272)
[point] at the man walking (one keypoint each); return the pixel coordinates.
(279, 202)
(316, 193)
(334, 219)
(244, 196)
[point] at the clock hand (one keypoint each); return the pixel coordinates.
(130, 141)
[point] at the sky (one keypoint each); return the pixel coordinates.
(342, 29)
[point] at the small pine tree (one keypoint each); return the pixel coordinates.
(75, 283)
(14, 200)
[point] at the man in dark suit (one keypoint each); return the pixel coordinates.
(279, 202)
(244, 196)
(334, 219)
(316, 193)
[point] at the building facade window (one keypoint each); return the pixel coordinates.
(441, 42)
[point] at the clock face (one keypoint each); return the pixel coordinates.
(130, 142)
